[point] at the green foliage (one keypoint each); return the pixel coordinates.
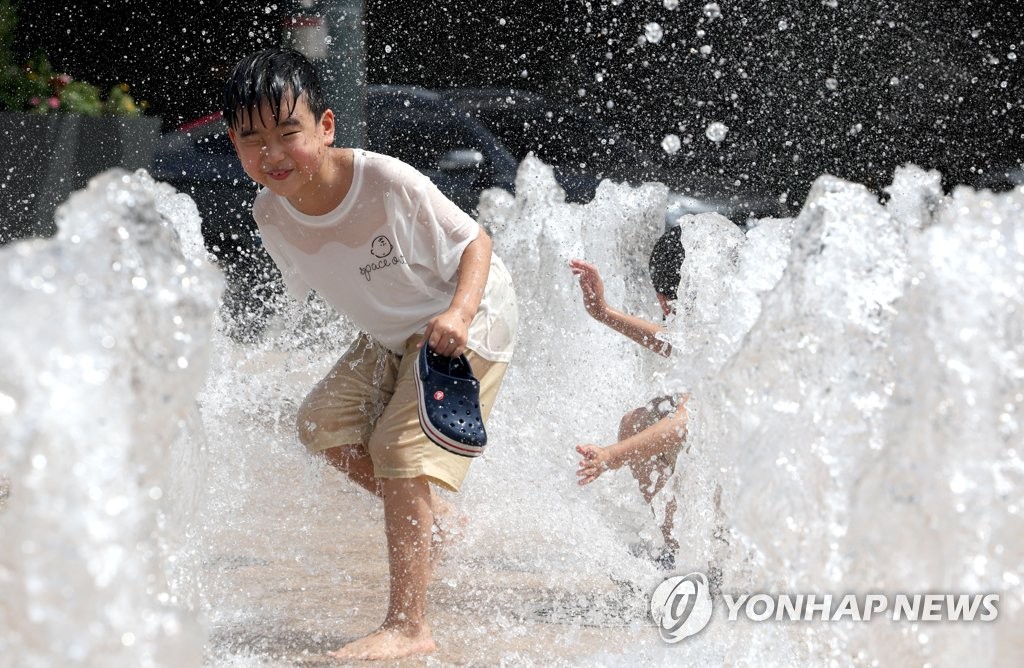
(36, 87)
(8, 22)
(80, 98)
(120, 103)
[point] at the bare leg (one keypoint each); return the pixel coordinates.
(449, 525)
(354, 461)
(408, 518)
(651, 474)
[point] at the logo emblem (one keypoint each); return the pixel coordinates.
(438, 396)
(681, 606)
(381, 247)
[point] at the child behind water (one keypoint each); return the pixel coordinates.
(381, 244)
(650, 437)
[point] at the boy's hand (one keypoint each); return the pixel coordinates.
(448, 333)
(593, 464)
(592, 287)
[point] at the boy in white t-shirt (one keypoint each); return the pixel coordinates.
(378, 241)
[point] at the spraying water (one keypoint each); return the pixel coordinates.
(104, 350)
(857, 385)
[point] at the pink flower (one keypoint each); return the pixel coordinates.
(34, 101)
(54, 102)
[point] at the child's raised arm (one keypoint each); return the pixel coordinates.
(643, 332)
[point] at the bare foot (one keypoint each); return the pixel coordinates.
(384, 644)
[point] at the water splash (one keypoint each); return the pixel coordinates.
(866, 424)
(104, 335)
(857, 389)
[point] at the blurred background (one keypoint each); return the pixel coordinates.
(737, 107)
(802, 87)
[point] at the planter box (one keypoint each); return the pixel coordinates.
(46, 158)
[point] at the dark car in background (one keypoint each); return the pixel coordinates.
(581, 149)
(461, 156)
(457, 153)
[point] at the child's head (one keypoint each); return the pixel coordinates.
(666, 259)
(274, 79)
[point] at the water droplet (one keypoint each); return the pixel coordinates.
(7, 404)
(712, 11)
(716, 131)
(653, 32)
(831, 83)
(671, 4)
(671, 144)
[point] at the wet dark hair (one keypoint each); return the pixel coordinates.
(666, 259)
(268, 76)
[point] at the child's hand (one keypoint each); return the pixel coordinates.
(593, 464)
(592, 287)
(448, 333)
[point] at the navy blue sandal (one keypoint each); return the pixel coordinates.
(449, 403)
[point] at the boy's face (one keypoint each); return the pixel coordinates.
(285, 154)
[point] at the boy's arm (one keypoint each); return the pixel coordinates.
(643, 332)
(660, 437)
(448, 333)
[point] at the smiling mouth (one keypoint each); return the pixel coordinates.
(279, 174)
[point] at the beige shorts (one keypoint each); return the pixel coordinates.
(369, 398)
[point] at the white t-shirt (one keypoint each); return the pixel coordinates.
(387, 257)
